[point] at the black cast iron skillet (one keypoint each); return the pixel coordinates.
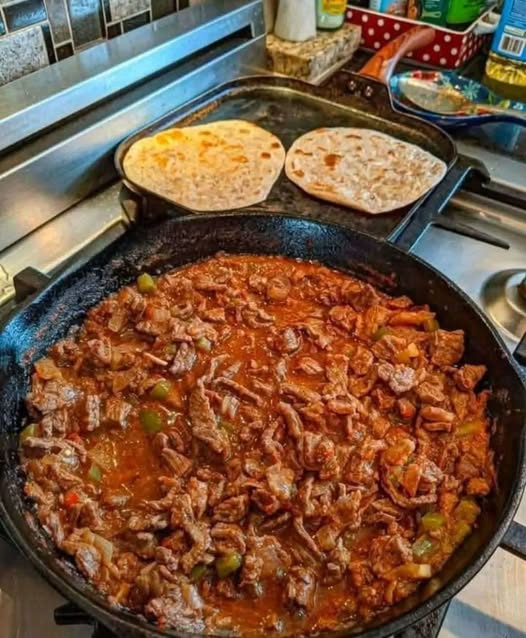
(175, 242)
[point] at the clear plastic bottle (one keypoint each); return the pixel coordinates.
(506, 66)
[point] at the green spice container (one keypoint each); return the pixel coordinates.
(330, 13)
(434, 11)
(464, 12)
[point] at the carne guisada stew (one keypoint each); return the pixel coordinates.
(257, 443)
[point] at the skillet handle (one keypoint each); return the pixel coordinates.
(382, 64)
(514, 540)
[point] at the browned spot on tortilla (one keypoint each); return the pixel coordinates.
(332, 159)
(161, 161)
(242, 159)
(300, 152)
(276, 144)
(265, 155)
(299, 173)
(354, 137)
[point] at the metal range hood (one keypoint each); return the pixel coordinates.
(60, 125)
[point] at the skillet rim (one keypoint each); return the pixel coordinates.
(119, 619)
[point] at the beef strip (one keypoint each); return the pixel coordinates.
(204, 425)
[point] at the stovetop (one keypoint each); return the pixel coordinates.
(491, 605)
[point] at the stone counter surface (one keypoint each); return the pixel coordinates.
(313, 59)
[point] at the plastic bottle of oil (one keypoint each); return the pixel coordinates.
(506, 66)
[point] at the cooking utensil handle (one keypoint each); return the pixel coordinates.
(514, 540)
(382, 64)
(407, 234)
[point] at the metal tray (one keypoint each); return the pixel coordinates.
(289, 108)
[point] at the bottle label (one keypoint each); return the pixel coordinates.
(509, 40)
(334, 7)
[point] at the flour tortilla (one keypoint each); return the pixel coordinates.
(362, 168)
(211, 167)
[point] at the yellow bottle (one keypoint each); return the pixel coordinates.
(506, 66)
(330, 13)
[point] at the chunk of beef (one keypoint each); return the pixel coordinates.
(318, 451)
(266, 501)
(317, 331)
(232, 509)
(184, 359)
(337, 563)
(288, 341)
(147, 522)
(92, 406)
(278, 288)
(281, 481)
(180, 607)
(468, 376)
(309, 366)
(57, 422)
(241, 391)
(216, 484)
(205, 283)
(155, 321)
(198, 492)
(204, 424)
(431, 392)
(215, 315)
(306, 538)
(361, 361)
(400, 378)
(300, 392)
(53, 444)
(292, 420)
(199, 534)
(53, 525)
(336, 371)
(387, 552)
(343, 317)
(300, 588)
(388, 347)
(100, 350)
(447, 348)
(117, 411)
(51, 395)
(179, 464)
(228, 538)
(358, 294)
(88, 560)
(411, 318)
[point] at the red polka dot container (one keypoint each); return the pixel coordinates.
(449, 50)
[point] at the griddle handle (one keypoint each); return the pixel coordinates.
(408, 233)
(382, 64)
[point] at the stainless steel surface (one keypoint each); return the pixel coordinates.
(501, 167)
(55, 171)
(98, 219)
(33, 103)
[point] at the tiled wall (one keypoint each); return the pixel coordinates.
(34, 33)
